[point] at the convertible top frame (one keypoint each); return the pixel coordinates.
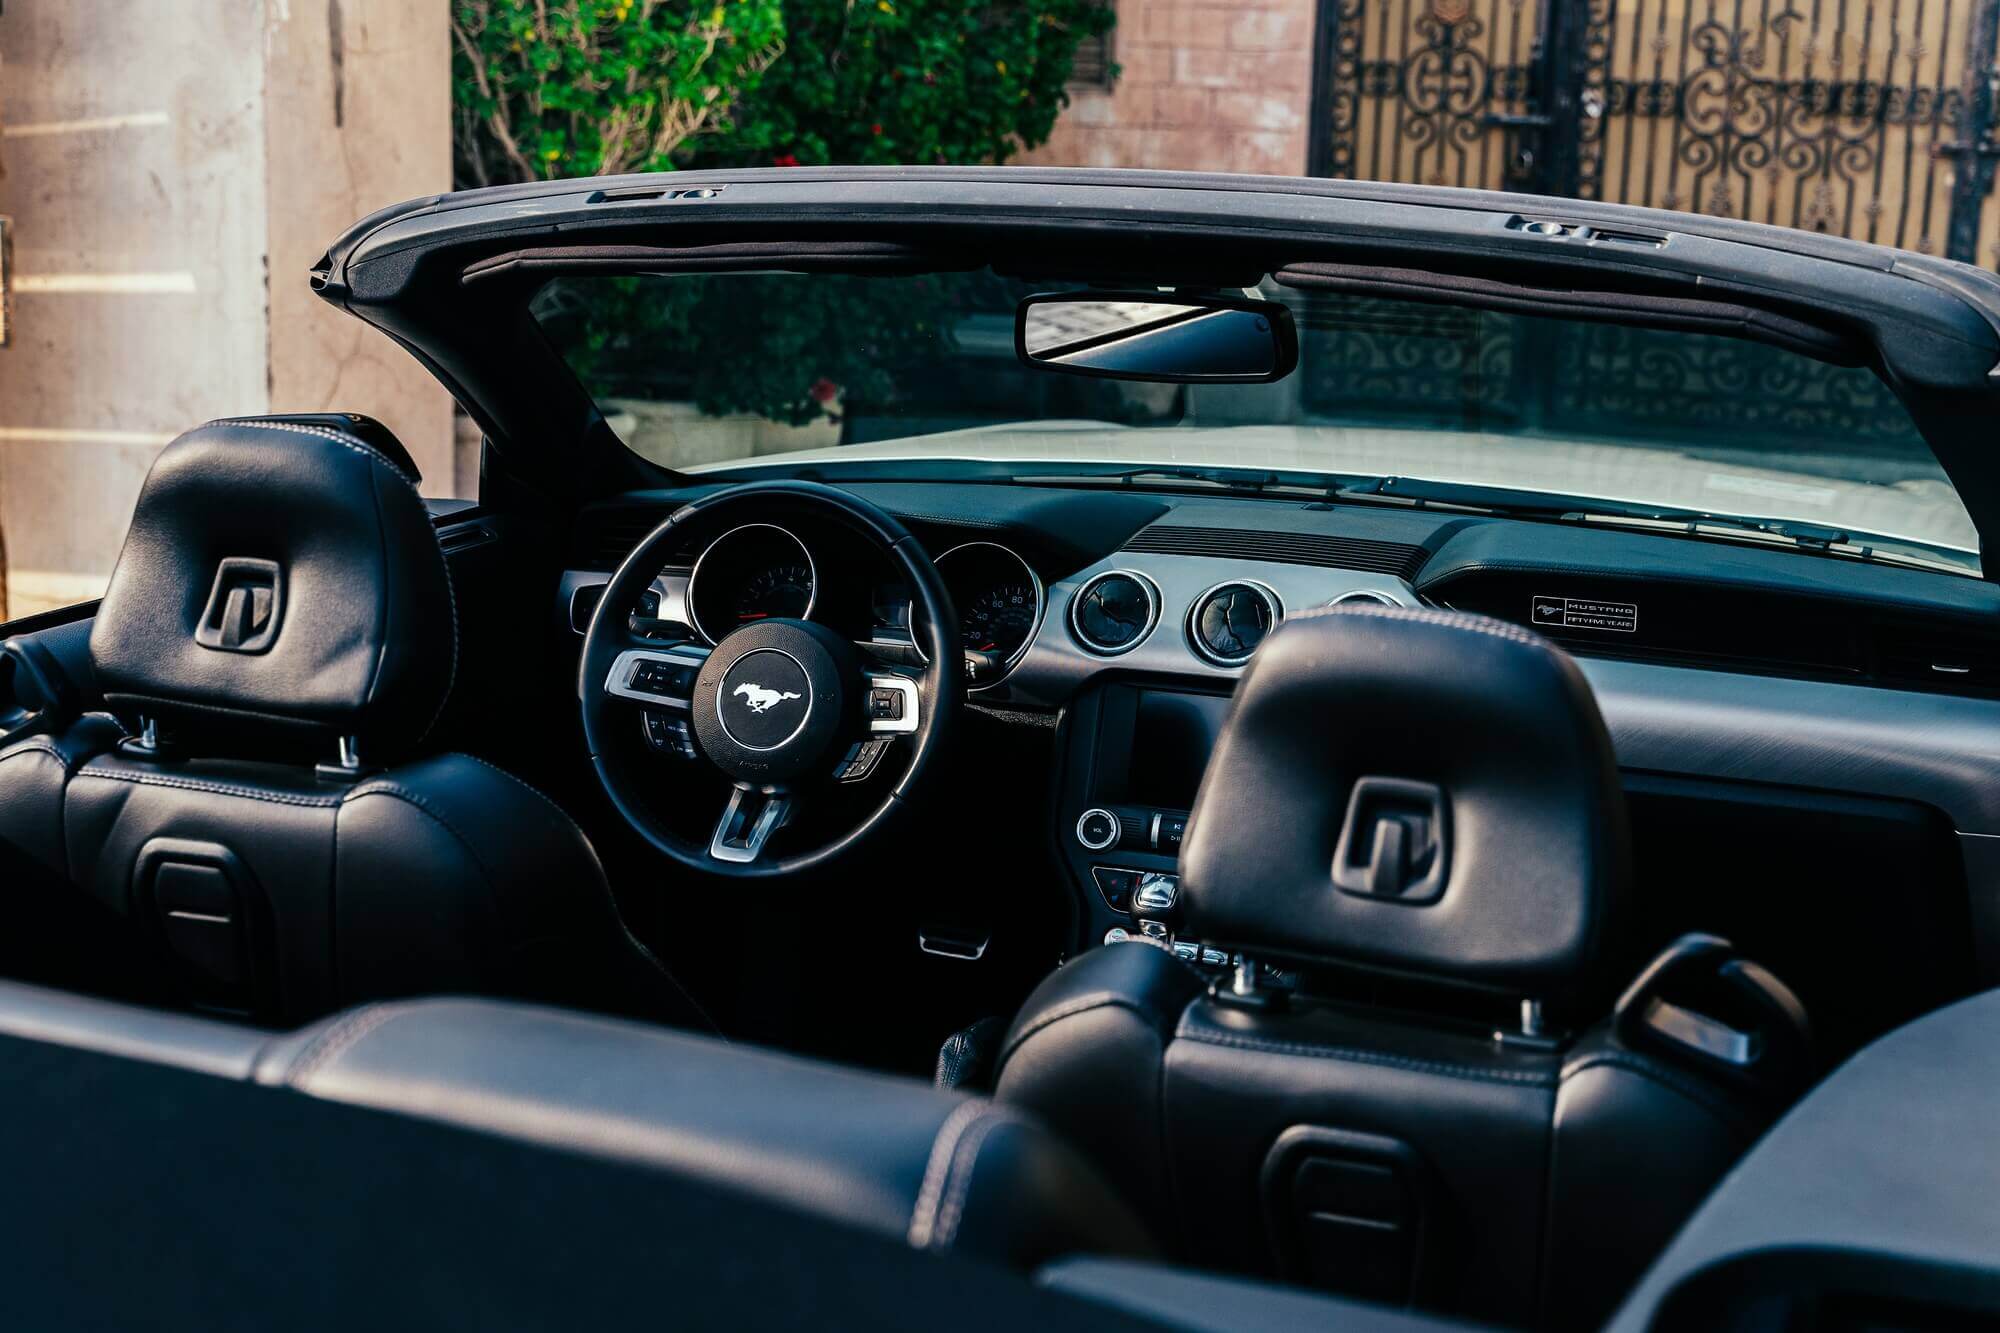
(449, 277)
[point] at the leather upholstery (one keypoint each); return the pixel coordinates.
(1546, 1178)
(1430, 795)
(269, 883)
(940, 1171)
(1498, 719)
(365, 640)
(443, 874)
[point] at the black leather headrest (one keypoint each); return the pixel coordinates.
(281, 584)
(1422, 791)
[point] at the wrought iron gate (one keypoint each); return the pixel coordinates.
(1874, 119)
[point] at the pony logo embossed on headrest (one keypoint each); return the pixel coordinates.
(243, 606)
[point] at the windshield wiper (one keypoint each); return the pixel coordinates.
(1667, 520)
(1543, 506)
(1226, 481)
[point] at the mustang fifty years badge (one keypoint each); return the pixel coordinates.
(1585, 613)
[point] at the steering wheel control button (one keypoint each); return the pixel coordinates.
(891, 705)
(669, 735)
(669, 680)
(861, 759)
(1097, 829)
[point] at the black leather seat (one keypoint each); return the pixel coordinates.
(277, 643)
(1416, 816)
(938, 1171)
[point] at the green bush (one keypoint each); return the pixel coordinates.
(895, 81)
(545, 89)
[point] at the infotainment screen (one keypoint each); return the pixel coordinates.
(1172, 735)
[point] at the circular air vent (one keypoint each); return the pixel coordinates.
(1364, 595)
(1113, 613)
(1230, 620)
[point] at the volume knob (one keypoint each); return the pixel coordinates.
(1097, 828)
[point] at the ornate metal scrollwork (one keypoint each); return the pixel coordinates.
(1875, 121)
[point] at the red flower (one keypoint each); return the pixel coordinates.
(876, 128)
(824, 391)
(785, 160)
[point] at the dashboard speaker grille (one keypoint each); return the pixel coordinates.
(1290, 548)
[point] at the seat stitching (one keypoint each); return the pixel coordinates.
(395, 791)
(33, 747)
(953, 1210)
(450, 593)
(522, 783)
(923, 1217)
(1519, 1078)
(339, 1038)
(214, 788)
(1070, 1009)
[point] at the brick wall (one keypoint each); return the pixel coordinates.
(1206, 85)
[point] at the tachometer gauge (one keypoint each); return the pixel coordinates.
(757, 572)
(780, 590)
(999, 619)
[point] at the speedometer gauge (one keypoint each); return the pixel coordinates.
(999, 619)
(999, 601)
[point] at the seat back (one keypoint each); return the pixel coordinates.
(257, 811)
(680, 1115)
(1412, 804)
(1403, 1159)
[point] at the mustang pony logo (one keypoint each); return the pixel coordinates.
(761, 700)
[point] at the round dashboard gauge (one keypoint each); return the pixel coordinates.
(757, 572)
(999, 601)
(999, 619)
(781, 590)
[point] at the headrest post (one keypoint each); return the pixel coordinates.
(347, 767)
(1532, 1024)
(145, 745)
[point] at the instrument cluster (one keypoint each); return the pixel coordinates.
(763, 571)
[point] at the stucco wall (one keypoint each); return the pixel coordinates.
(169, 182)
(1205, 85)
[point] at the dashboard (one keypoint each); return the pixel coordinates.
(1122, 621)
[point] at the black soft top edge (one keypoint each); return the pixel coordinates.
(1970, 282)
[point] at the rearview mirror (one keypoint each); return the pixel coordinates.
(1177, 338)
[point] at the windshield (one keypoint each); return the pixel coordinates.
(699, 372)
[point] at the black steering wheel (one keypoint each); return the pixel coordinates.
(781, 707)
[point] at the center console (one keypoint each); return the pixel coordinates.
(1133, 758)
